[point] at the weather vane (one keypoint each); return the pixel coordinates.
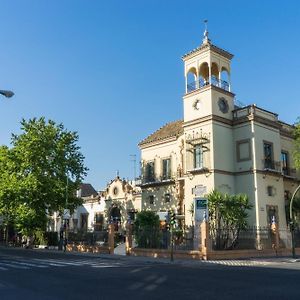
(205, 24)
(205, 34)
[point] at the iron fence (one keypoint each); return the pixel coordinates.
(297, 236)
(153, 238)
(247, 238)
(88, 238)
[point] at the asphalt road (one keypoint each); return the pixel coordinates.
(38, 274)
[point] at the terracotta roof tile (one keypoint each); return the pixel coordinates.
(169, 130)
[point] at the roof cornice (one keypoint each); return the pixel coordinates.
(206, 47)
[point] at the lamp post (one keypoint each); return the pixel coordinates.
(7, 94)
(292, 225)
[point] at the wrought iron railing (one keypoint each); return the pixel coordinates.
(286, 171)
(156, 179)
(213, 80)
(269, 164)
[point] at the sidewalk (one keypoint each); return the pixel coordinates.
(152, 260)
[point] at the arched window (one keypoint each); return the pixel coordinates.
(204, 74)
(191, 78)
(215, 74)
(215, 70)
(225, 80)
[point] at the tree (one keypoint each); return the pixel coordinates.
(146, 229)
(228, 216)
(40, 173)
(296, 153)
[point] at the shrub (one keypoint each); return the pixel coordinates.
(146, 229)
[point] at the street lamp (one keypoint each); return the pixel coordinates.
(7, 94)
(292, 225)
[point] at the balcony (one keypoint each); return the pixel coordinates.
(201, 83)
(156, 180)
(289, 172)
(271, 165)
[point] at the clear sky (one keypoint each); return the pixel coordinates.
(112, 70)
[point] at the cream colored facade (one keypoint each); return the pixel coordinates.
(218, 145)
(120, 201)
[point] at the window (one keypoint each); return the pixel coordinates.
(198, 157)
(285, 163)
(115, 191)
(151, 199)
(84, 221)
(75, 223)
(166, 169)
(268, 156)
(131, 215)
(272, 214)
(167, 198)
(270, 190)
(149, 172)
(243, 150)
(287, 196)
(98, 222)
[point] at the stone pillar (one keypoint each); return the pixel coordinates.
(205, 241)
(275, 234)
(111, 238)
(128, 242)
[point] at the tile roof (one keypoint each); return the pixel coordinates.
(87, 190)
(209, 46)
(169, 130)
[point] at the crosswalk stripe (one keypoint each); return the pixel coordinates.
(50, 262)
(18, 262)
(11, 265)
(105, 266)
(26, 264)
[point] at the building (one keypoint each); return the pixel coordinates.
(218, 145)
(120, 201)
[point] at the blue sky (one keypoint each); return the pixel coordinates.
(112, 70)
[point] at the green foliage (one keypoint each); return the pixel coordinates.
(228, 216)
(28, 220)
(51, 238)
(296, 153)
(35, 172)
(146, 229)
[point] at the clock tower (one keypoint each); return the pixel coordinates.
(207, 82)
(208, 103)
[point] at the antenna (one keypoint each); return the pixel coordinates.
(133, 159)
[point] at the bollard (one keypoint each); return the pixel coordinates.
(111, 238)
(205, 240)
(128, 242)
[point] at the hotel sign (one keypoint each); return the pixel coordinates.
(201, 209)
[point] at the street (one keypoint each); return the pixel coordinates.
(39, 274)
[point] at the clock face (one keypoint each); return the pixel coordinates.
(223, 105)
(197, 104)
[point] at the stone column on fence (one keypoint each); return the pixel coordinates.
(205, 240)
(275, 234)
(128, 242)
(111, 238)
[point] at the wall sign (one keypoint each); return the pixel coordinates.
(200, 209)
(199, 190)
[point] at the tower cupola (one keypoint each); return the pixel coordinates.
(207, 65)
